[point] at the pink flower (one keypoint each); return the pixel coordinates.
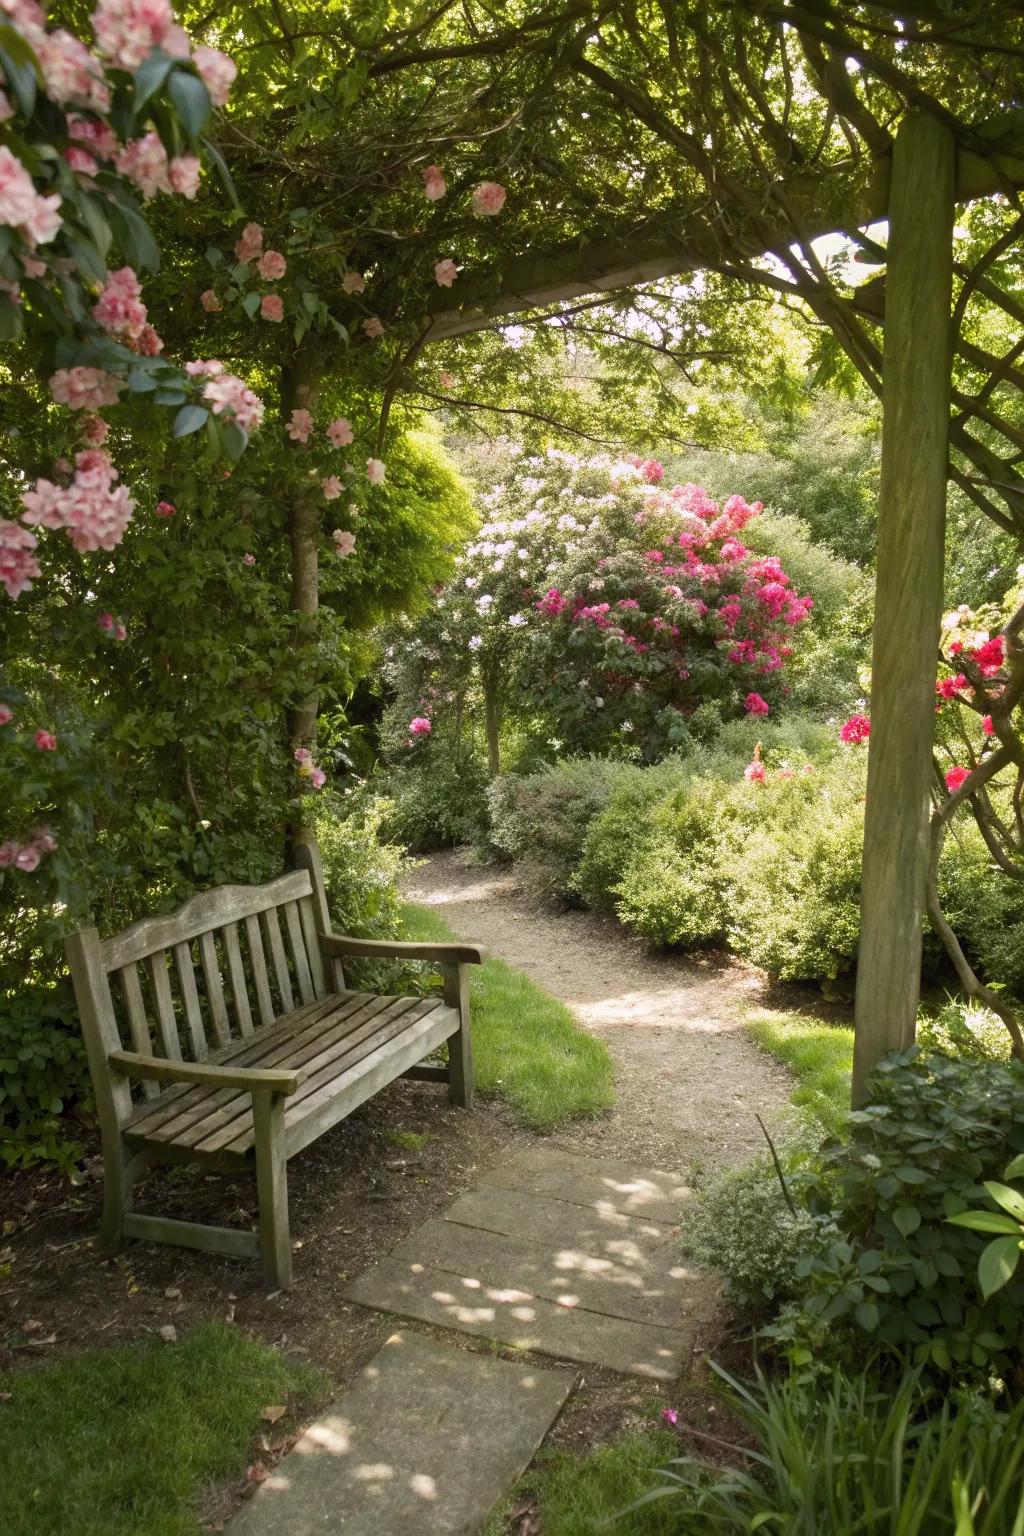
(144, 162)
(106, 621)
(488, 199)
(81, 161)
(987, 726)
(8, 853)
(70, 71)
(119, 308)
(94, 430)
(331, 487)
(420, 726)
(18, 564)
(6, 715)
(949, 687)
(17, 194)
(184, 174)
(755, 772)
(755, 705)
(855, 730)
(552, 603)
(302, 755)
(45, 741)
(670, 1417)
(353, 282)
(339, 433)
(375, 471)
(272, 265)
(990, 655)
(434, 185)
(250, 243)
(228, 393)
(955, 777)
(204, 368)
(344, 543)
(27, 858)
(149, 344)
(85, 388)
(653, 471)
(44, 840)
(165, 509)
(210, 301)
(272, 307)
(299, 426)
(44, 221)
(248, 559)
(127, 30)
(654, 555)
(446, 272)
(373, 327)
(216, 71)
(446, 379)
(98, 138)
(318, 778)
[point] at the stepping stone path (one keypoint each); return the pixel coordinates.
(423, 1444)
(576, 1257)
(563, 1255)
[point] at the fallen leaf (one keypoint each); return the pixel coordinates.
(33, 1325)
(51, 1338)
(273, 1413)
(229, 1315)
(5, 1397)
(169, 1333)
(296, 1245)
(172, 1293)
(9, 1227)
(256, 1473)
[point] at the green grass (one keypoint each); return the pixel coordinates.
(528, 1048)
(576, 1492)
(122, 1442)
(820, 1056)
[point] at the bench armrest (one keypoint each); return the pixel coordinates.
(339, 945)
(203, 1074)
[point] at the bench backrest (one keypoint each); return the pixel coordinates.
(220, 966)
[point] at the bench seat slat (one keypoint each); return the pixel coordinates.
(247, 1053)
(215, 1122)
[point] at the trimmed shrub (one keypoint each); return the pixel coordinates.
(542, 818)
(439, 804)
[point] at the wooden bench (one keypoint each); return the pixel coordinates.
(254, 1053)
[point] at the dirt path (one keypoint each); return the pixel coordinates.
(688, 1079)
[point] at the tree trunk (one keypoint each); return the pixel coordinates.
(909, 586)
(492, 722)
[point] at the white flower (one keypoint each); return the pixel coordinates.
(599, 702)
(483, 603)
(627, 725)
(516, 620)
(472, 581)
(476, 642)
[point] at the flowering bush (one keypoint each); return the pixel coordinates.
(609, 608)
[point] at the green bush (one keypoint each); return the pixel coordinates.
(542, 818)
(676, 889)
(439, 803)
(985, 907)
(841, 1456)
(360, 871)
(43, 1071)
(966, 1030)
(740, 1224)
(901, 1278)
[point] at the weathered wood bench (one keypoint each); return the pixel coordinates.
(255, 1053)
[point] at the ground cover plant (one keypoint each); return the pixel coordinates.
(127, 1441)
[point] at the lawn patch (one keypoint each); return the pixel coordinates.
(529, 1049)
(576, 1493)
(820, 1056)
(122, 1442)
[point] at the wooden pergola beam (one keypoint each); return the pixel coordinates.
(993, 162)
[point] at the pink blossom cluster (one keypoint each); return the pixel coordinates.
(27, 856)
(18, 564)
(85, 389)
(121, 312)
(227, 395)
(651, 470)
(855, 730)
(990, 655)
(22, 207)
(308, 769)
(91, 509)
(420, 725)
(111, 626)
(950, 687)
(147, 165)
(956, 777)
(128, 30)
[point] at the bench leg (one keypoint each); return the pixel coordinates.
(272, 1188)
(460, 1045)
(121, 1168)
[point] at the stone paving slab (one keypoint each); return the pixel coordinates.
(646, 1290)
(423, 1444)
(581, 1274)
(603, 1182)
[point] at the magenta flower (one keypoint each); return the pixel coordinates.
(6, 715)
(165, 509)
(755, 705)
(956, 777)
(45, 741)
(987, 726)
(670, 1417)
(755, 772)
(855, 730)
(248, 559)
(420, 726)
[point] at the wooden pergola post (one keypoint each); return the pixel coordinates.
(908, 588)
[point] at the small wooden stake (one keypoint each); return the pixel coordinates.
(908, 589)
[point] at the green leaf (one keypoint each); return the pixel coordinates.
(251, 304)
(214, 257)
(150, 76)
(134, 236)
(10, 321)
(191, 100)
(189, 419)
(234, 439)
(1015, 1170)
(88, 260)
(19, 64)
(997, 1264)
(906, 1219)
(220, 165)
(93, 215)
(141, 382)
(866, 1314)
(909, 1175)
(1009, 1199)
(984, 1221)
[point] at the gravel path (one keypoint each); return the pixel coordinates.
(689, 1081)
